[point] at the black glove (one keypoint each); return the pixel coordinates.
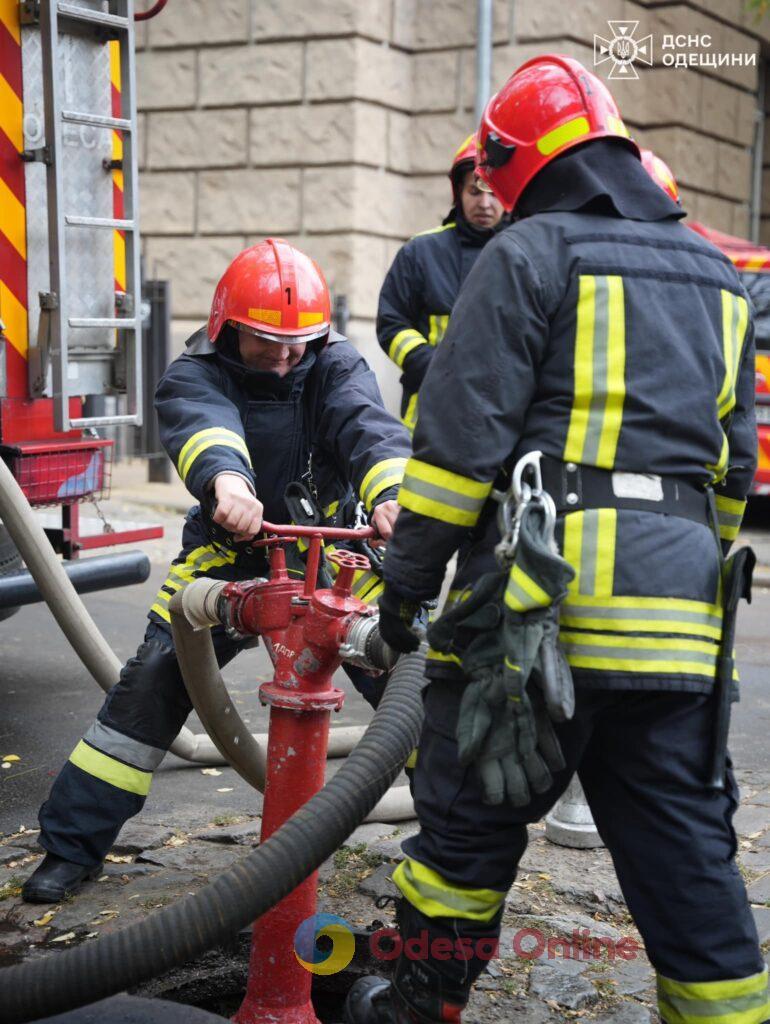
(397, 615)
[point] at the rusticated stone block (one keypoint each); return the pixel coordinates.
(167, 203)
(250, 201)
(268, 73)
(358, 69)
(197, 138)
(200, 23)
(321, 133)
(435, 138)
(193, 266)
(733, 171)
(165, 79)
(691, 156)
(436, 79)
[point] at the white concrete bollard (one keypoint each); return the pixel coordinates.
(569, 823)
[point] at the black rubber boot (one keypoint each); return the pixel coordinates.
(56, 879)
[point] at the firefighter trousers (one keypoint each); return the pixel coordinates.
(642, 758)
(108, 775)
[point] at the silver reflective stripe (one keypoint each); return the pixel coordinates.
(573, 609)
(442, 494)
(639, 653)
(589, 551)
(716, 1010)
(114, 743)
(599, 384)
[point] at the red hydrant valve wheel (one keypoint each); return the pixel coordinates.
(350, 560)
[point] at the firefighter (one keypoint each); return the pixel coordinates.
(422, 284)
(265, 396)
(597, 330)
(661, 174)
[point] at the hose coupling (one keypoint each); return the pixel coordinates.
(365, 647)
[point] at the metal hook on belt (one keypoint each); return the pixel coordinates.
(513, 502)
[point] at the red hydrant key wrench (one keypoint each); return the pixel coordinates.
(304, 629)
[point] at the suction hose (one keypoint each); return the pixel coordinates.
(245, 891)
(193, 611)
(68, 609)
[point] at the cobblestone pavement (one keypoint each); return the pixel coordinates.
(196, 825)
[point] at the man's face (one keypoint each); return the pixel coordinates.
(481, 209)
(269, 356)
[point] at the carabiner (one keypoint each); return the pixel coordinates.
(522, 491)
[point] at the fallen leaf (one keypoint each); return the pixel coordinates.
(756, 835)
(225, 789)
(41, 922)
(210, 771)
(113, 858)
(176, 841)
(64, 938)
(545, 876)
(11, 757)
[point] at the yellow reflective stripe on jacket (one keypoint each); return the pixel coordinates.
(719, 468)
(403, 343)
(409, 419)
(108, 769)
(735, 319)
(739, 1001)
(642, 615)
(599, 372)
(609, 652)
(380, 477)
(205, 439)
(434, 655)
(434, 896)
(522, 593)
(729, 515)
(441, 494)
(438, 325)
(436, 231)
(589, 547)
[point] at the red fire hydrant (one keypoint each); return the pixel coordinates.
(306, 631)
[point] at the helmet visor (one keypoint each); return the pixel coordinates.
(280, 339)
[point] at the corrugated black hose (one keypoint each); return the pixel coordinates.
(244, 892)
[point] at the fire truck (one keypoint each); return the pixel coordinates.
(753, 265)
(70, 292)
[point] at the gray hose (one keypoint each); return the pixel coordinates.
(193, 611)
(68, 609)
(245, 891)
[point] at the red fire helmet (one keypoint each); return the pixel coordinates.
(462, 162)
(661, 174)
(275, 291)
(549, 105)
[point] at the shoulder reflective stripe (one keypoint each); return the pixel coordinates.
(106, 768)
(441, 494)
(436, 231)
(589, 547)
(110, 741)
(558, 137)
(431, 894)
(331, 509)
(735, 317)
(739, 1001)
(522, 594)
(207, 438)
(661, 655)
(438, 325)
(599, 372)
(409, 419)
(380, 477)
(403, 343)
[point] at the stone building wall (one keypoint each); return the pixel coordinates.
(332, 122)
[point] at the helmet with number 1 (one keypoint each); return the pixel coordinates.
(275, 291)
(661, 174)
(549, 105)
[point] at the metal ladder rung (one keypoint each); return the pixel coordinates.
(78, 13)
(96, 120)
(99, 222)
(119, 323)
(103, 421)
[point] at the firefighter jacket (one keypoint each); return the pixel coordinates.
(606, 342)
(417, 297)
(323, 423)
